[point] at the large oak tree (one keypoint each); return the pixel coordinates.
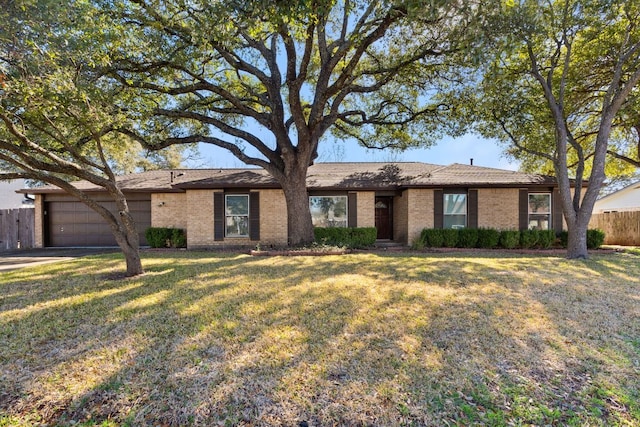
(267, 80)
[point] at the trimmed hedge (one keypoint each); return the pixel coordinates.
(595, 238)
(165, 237)
(528, 238)
(350, 237)
(432, 237)
(467, 237)
(449, 237)
(509, 239)
(546, 238)
(488, 238)
(491, 238)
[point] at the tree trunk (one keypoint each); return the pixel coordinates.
(125, 232)
(132, 258)
(300, 228)
(129, 241)
(577, 244)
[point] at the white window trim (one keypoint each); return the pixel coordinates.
(466, 213)
(549, 213)
(236, 236)
(346, 205)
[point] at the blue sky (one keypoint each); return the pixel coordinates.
(450, 150)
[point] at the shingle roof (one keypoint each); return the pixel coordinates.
(330, 176)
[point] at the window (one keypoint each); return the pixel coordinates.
(328, 211)
(539, 211)
(455, 211)
(237, 215)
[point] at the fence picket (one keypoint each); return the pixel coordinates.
(17, 228)
(620, 228)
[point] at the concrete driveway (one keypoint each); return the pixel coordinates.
(12, 260)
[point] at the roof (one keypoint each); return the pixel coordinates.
(325, 176)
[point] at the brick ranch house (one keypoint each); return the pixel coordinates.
(231, 207)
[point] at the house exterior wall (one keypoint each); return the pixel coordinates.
(400, 217)
(38, 225)
(498, 208)
(627, 199)
(169, 210)
(273, 218)
(366, 208)
(199, 215)
(419, 212)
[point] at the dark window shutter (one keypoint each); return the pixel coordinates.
(254, 215)
(556, 213)
(438, 206)
(524, 209)
(353, 209)
(472, 209)
(218, 216)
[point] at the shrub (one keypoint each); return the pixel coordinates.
(335, 236)
(433, 237)
(546, 238)
(488, 238)
(564, 238)
(165, 237)
(362, 237)
(467, 237)
(509, 239)
(178, 238)
(353, 237)
(595, 238)
(449, 237)
(528, 238)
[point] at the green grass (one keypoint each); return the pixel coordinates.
(365, 339)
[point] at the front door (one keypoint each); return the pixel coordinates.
(384, 217)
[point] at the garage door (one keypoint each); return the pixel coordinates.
(72, 223)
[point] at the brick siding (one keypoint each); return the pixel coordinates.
(273, 218)
(419, 212)
(38, 226)
(366, 208)
(498, 208)
(199, 213)
(169, 210)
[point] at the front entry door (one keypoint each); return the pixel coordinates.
(384, 217)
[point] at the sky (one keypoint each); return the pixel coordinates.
(450, 150)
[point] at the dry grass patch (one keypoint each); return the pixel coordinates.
(368, 339)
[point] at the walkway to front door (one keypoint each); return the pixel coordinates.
(384, 217)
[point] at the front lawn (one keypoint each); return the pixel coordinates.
(366, 339)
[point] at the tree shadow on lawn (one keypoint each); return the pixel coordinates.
(380, 340)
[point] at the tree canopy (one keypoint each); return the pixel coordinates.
(267, 81)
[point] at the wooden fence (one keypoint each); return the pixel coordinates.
(620, 228)
(17, 228)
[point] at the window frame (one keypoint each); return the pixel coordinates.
(227, 216)
(444, 207)
(346, 209)
(548, 214)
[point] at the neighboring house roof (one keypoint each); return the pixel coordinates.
(325, 176)
(626, 199)
(9, 198)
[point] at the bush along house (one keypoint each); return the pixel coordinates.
(246, 207)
